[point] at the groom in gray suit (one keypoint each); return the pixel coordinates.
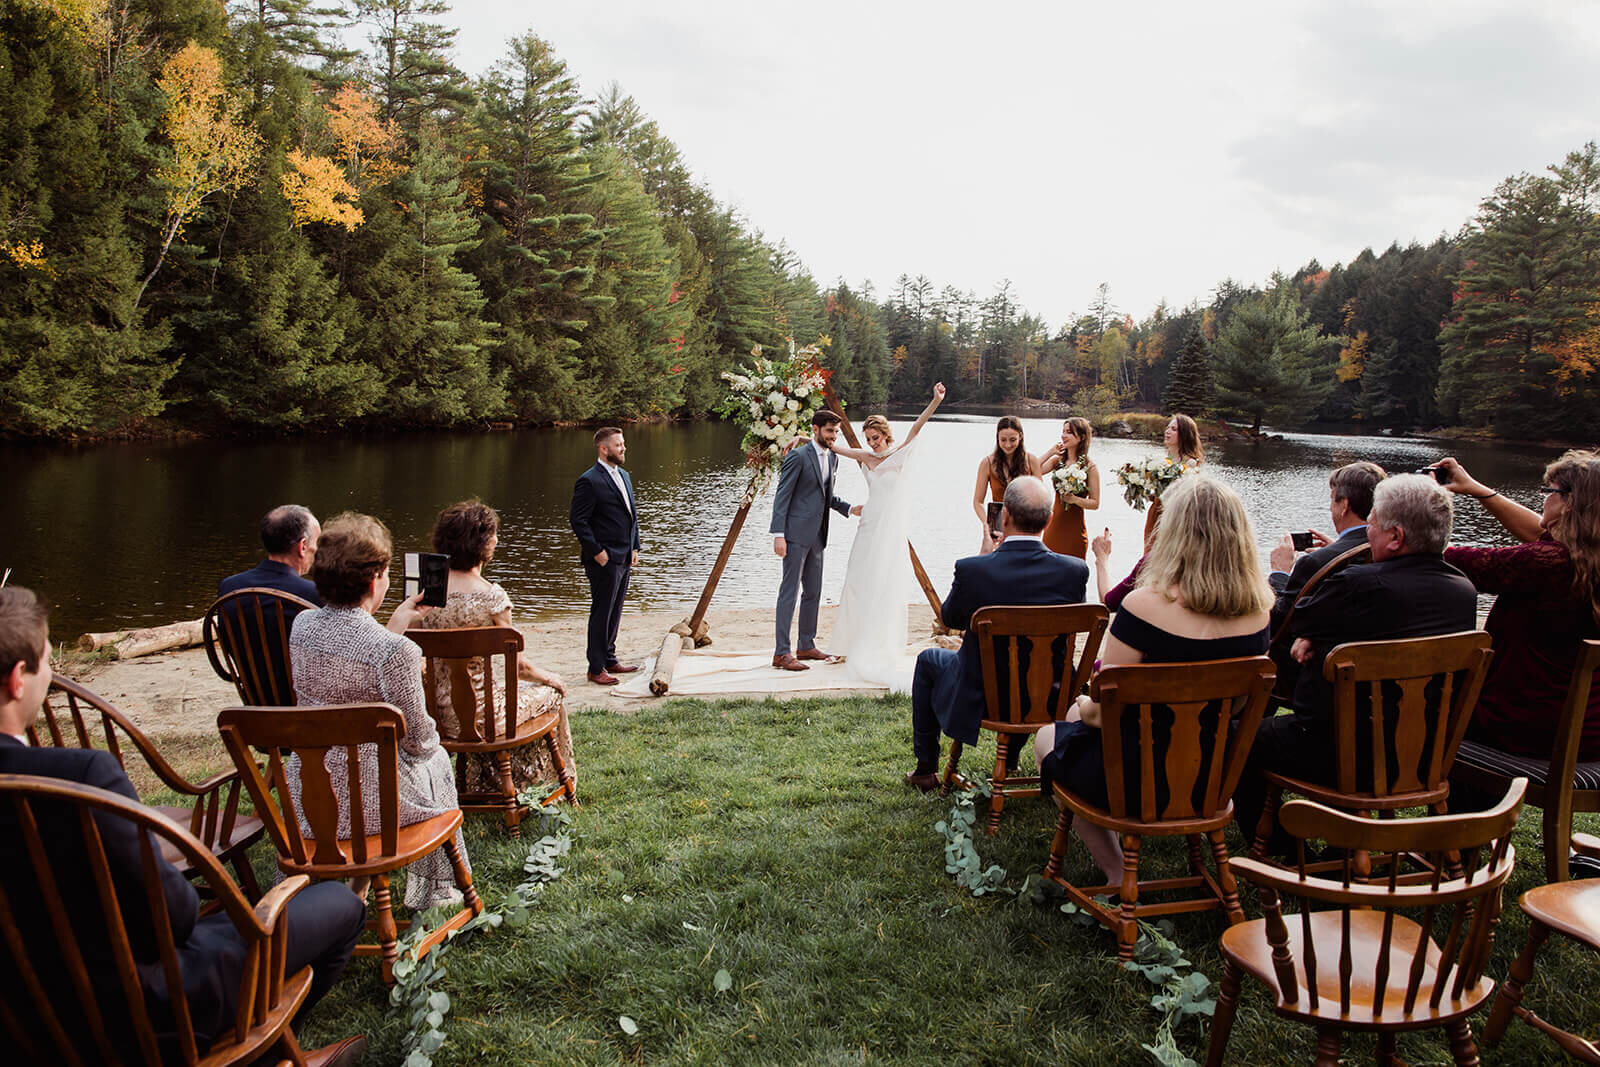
(800, 533)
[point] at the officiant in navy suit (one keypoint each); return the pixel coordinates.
(947, 687)
(800, 534)
(605, 517)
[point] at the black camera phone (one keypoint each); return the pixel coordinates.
(1439, 474)
(995, 508)
(1302, 541)
(428, 572)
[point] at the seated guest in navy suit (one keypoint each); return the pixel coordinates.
(947, 687)
(324, 920)
(289, 534)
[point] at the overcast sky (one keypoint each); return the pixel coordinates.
(1159, 147)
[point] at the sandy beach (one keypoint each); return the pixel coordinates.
(177, 693)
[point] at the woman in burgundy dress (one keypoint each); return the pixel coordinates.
(1548, 600)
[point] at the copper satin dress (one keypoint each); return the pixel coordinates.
(1067, 533)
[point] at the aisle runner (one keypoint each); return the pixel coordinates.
(706, 671)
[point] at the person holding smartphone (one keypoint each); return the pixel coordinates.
(1349, 503)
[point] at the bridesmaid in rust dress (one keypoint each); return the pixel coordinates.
(1182, 439)
(1067, 533)
(1008, 460)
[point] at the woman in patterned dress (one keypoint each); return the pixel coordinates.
(342, 655)
(468, 533)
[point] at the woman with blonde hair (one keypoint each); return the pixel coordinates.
(1067, 533)
(1547, 604)
(1201, 596)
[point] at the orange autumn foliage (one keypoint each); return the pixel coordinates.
(367, 144)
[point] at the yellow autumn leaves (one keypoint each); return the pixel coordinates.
(324, 189)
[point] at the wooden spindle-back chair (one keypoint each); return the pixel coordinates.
(452, 655)
(75, 717)
(1400, 709)
(1354, 958)
(75, 994)
(1569, 908)
(1194, 704)
(1561, 784)
(1032, 651)
(336, 847)
(246, 636)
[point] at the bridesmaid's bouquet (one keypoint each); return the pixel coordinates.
(1071, 480)
(1146, 480)
(775, 399)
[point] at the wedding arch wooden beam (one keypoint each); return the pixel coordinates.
(694, 629)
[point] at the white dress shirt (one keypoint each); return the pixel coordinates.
(822, 459)
(616, 476)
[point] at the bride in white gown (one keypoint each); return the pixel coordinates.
(869, 629)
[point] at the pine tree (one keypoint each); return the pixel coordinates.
(1265, 362)
(419, 315)
(1189, 387)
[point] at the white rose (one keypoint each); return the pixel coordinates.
(775, 399)
(802, 390)
(794, 405)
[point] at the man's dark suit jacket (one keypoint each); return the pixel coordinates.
(601, 518)
(210, 953)
(1408, 596)
(270, 574)
(1016, 573)
(1287, 586)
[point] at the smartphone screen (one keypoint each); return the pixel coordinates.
(429, 574)
(995, 508)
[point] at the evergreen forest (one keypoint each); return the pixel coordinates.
(229, 218)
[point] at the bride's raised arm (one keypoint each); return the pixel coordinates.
(860, 455)
(927, 412)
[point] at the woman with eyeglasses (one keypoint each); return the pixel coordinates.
(1548, 600)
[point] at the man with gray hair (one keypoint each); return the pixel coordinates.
(1407, 591)
(947, 687)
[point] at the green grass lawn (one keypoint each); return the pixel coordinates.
(776, 841)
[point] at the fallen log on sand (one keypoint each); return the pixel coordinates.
(130, 644)
(667, 661)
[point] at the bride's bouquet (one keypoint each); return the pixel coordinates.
(1147, 479)
(775, 399)
(1071, 480)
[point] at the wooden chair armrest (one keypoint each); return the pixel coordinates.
(272, 903)
(1586, 845)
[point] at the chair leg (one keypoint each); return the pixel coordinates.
(1230, 888)
(469, 895)
(287, 1049)
(1462, 1046)
(997, 796)
(1386, 1048)
(508, 795)
(1197, 857)
(388, 932)
(1222, 1017)
(1128, 928)
(1058, 845)
(1328, 1041)
(1509, 997)
(950, 775)
(569, 781)
(1267, 823)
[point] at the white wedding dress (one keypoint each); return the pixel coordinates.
(869, 629)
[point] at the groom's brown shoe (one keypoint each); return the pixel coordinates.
(925, 782)
(789, 663)
(813, 653)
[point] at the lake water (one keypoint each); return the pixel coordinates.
(139, 534)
